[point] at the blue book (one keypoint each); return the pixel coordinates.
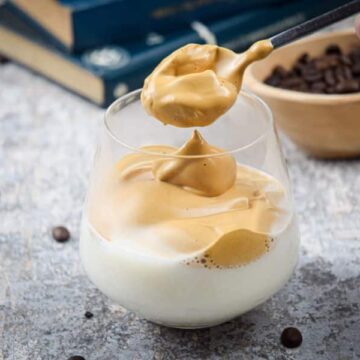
(105, 73)
(75, 25)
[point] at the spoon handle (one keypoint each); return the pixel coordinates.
(315, 24)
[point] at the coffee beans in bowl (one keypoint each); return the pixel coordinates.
(333, 72)
(312, 88)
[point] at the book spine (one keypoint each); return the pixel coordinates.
(10, 9)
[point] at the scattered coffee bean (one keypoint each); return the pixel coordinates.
(333, 72)
(291, 337)
(89, 314)
(3, 59)
(60, 233)
(76, 357)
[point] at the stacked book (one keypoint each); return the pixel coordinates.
(101, 49)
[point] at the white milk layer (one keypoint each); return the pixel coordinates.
(169, 292)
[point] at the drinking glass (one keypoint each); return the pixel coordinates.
(166, 290)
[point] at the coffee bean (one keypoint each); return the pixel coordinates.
(315, 91)
(340, 88)
(333, 49)
(291, 73)
(89, 314)
(339, 75)
(329, 77)
(318, 87)
(303, 59)
(303, 87)
(347, 86)
(345, 60)
(356, 69)
(299, 69)
(322, 64)
(326, 62)
(76, 357)
(291, 337)
(60, 233)
(280, 71)
(332, 60)
(354, 54)
(300, 87)
(292, 82)
(342, 73)
(330, 90)
(347, 72)
(312, 76)
(273, 80)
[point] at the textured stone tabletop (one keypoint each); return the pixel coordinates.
(47, 141)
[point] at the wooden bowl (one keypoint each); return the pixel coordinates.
(325, 126)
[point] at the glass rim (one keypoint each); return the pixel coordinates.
(137, 92)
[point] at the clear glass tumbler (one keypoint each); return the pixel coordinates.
(164, 289)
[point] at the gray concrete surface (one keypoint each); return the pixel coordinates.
(47, 141)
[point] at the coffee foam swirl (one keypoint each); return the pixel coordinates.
(206, 176)
(167, 221)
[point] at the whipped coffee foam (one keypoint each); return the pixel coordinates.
(166, 207)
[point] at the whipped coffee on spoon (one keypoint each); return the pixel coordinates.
(196, 84)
